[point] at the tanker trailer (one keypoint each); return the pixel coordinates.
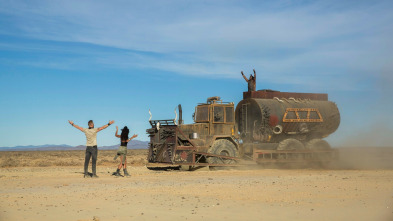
(282, 126)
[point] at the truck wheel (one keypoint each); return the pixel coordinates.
(318, 144)
(185, 168)
(290, 144)
(222, 147)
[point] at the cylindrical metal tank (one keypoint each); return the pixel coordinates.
(272, 120)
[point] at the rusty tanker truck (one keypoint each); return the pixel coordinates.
(265, 127)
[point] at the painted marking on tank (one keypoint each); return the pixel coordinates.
(296, 112)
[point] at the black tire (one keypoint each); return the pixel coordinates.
(222, 147)
(318, 144)
(323, 160)
(290, 144)
(185, 168)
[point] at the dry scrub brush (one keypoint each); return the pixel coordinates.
(66, 158)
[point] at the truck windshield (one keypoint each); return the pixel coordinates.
(218, 114)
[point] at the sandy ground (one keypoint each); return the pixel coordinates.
(61, 193)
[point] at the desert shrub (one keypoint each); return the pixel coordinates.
(8, 162)
(68, 163)
(66, 158)
(43, 163)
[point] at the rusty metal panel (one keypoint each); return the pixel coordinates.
(183, 156)
(266, 156)
(268, 94)
(162, 144)
(317, 118)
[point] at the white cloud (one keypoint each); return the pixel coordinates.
(220, 38)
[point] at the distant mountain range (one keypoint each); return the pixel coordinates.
(134, 144)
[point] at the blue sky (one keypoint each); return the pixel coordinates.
(104, 60)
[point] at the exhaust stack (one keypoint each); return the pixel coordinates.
(180, 115)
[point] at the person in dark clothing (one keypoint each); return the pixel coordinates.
(91, 145)
(122, 151)
(251, 81)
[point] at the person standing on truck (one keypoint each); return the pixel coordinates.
(122, 151)
(91, 145)
(251, 81)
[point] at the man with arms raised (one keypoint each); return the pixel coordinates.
(251, 81)
(91, 144)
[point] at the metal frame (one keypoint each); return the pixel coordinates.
(197, 156)
(153, 123)
(297, 110)
(294, 155)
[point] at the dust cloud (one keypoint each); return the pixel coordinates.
(364, 158)
(371, 147)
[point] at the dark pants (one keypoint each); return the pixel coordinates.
(91, 151)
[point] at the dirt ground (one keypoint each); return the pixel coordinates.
(50, 186)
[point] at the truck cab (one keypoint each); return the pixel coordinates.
(214, 119)
(213, 132)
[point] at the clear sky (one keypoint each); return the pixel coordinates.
(113, 60)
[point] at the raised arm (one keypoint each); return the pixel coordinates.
(255, 75)
(76, 126)
(245, 78)
(117, 129)
(105, 126)
(135, 135)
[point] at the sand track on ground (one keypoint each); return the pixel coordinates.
(61, 193)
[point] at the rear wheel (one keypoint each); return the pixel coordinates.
(185, 168)
(225, 148)
(290, 144)
(322, 159)
(318, 144)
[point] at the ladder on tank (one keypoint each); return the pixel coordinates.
(244, 118)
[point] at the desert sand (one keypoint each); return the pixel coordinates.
(50, 186)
